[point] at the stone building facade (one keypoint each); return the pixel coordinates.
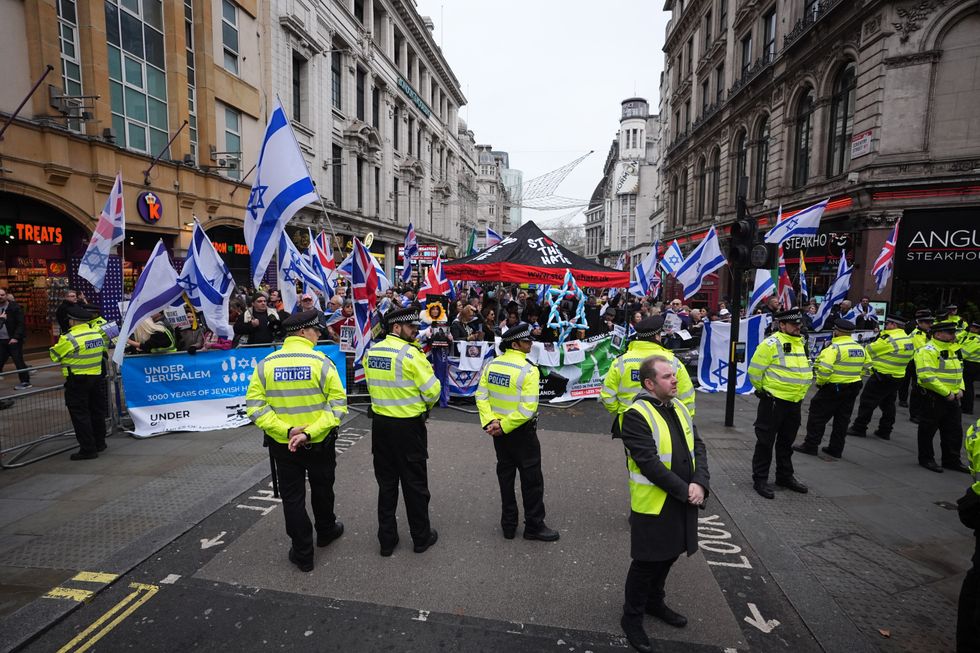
(868, 104)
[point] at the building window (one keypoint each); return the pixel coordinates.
(410, 202)
(719, 83)
(723, 17)
(769, 35)
(360, 185)
(233, 142)
(707, 29)
(675, 201)
(71, 70)
(191, 76)
(419, 141)
(762, 158)
(740, 152)
(376, 107)
(690, 55)
(229, 33)
(396, 127)
(411, 135)
(299, 72)
(377, 191)
(803, 140)
(360, 77)
(359, 11)
(810, 9)
(702, 187)
(682, 207)
(705, 96)
(746, 53)
(337, 175)
(841, 121)
(137, 75)
(687, 115)
(336, 79)
(396, 194)
(714, 197)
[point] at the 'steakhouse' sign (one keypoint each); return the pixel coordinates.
(938, 245)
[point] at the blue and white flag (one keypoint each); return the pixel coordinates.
(804, 223)
(316, 258)
(207, 282)
(493, 238)
(156, 289)
(705, 259)
(835, 294)
(292, 268)
(110, 230)
(764, 286)
(645, 275)
(543, 293)
(673, 258)
(714, 349)
(282, 187)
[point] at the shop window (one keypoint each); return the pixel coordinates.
(761, 158)
(841, 121)
(137, 75)
(229, 35)
(803, 140)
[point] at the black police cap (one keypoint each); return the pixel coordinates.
(409, 315)
(520, 331)
(791, 315)
(76, 312)
(895, 318)
(840, 324)
(302, 320)
(924, 315)
(649, 327)
(943, 326)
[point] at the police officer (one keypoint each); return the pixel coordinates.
(296, 397)
(839, 368)
(951, 315)
(970, 346)
(623, 380)
(781, 375)
(403, 388)
(940, 377)
(890, 355)
(507, 398)
(968, 613)
(920, 336)
(80, 353)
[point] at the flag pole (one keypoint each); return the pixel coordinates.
(737, 274)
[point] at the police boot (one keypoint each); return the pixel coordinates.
(764, 490)
(803, 448)
(792, 484)
(957, 467)
(326, 538)
(541, 533)
(635, 635)
(424, 546)
(666, 615)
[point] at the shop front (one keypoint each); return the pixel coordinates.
(822, 254)
(229, 242)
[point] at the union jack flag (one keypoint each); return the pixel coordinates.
(885, 263)
(787, 297)
(364, 284)
(324, 252)
(411, 241)
(109, 232)
(436, 282)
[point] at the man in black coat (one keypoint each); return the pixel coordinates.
(260, 324)
(668, 482)
(12, 334)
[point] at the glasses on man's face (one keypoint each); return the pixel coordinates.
(261, 300)
(307, 299)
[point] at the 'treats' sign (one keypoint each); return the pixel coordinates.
(939, 245)
(149, 207)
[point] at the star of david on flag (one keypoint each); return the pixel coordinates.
(207, 282)
(804, 223)
(109, 232)
(292, 269)
(705, 259)
(713, 368)
(835, 294)
(672, 259)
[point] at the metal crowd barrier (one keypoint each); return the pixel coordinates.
(34, 423)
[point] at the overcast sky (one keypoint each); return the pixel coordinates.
(544, 78)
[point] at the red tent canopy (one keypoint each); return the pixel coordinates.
(529, 256)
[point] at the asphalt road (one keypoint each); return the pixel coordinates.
(226, 583)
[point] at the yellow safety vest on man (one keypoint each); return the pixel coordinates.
(79, 351)
(970, 346)
(400, 379)
(296, 386)
(781, 368)
(622, 382)
(170, 348)
(891, 352)
(508, 391)
(938, 368)
(645, 497)
(919, 338)
(843, 361)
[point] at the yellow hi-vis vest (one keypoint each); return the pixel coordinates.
(508, 391)
(891, 352)
(919, 337)
(784, 374)
(645, 497)
(972, 445)
(296, 386)
(970, 346)
(79, 351)
(400, 379)
(843, 361)
(938, 367)
(622, 382)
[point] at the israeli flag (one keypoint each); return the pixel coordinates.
(835, 294)
(705, 259)
(292, 268)
(645, 274)
(764, 286)
(156, 289)
(804, 223)
(672, 259)
(713, 354)
(207, 282)
(282, 187)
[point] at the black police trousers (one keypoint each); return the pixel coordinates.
(318, 462)
(86, 402)
(520, 452)
(832, 401)
(971, 372)
(645, 587)
(880, 391)
(968, 609)
(939, 413)
(400, 450)
(776, 424)
(907, 391)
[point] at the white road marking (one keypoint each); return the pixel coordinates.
(170, 579)
(756, 620)
(214, 541)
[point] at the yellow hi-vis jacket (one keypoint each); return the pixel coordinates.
(972, 445)
(970, 346)
(296, 386)
(645, 497)
(938, 368)
(891, 352)
(400, 379)
(919, 337)
(843, 361)
(79, 351)
(508, 391)
(623, 379)
(780, 367)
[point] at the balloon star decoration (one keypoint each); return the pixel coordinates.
(565, 327)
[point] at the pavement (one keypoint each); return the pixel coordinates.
(871, 559)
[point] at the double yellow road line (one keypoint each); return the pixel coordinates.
(112, 618)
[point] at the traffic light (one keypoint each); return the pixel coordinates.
(743, 237)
